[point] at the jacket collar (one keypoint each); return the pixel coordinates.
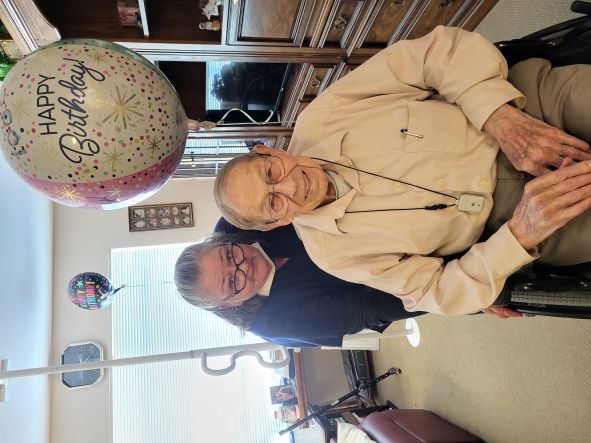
(330, 149)
(324, 218)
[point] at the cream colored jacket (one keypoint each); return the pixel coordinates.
(443, 86)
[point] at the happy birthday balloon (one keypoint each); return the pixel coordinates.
(91, 290)
(91, 124)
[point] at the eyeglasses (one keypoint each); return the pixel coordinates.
(235, 254)
(274, 173)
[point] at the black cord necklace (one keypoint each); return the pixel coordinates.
(466, 202)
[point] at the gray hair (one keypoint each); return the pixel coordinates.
(229, 213)
(188, 272)
(187, 276)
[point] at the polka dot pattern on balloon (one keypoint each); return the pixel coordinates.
(91, 124)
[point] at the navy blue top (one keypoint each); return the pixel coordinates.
(309, 307)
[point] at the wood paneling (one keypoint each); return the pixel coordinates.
(393, 20)
(268, 22)
(341, 22)
(317, 77)
(389, 15)
(435, 12)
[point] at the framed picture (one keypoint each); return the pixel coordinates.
(152, 217)
(283, 394)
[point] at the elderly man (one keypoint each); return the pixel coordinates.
(393, 168)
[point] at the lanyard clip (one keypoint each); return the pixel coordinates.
(406, 132)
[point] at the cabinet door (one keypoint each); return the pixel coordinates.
(343, 69)
(344, 22)
(394, 20)
(316, 79)
(268, 22)
(446, 12)
(309, 80)
(386, 23)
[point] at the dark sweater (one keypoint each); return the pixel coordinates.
(309, 307)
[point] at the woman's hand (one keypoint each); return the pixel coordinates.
(502, 312)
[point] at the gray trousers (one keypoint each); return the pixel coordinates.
(562, 98)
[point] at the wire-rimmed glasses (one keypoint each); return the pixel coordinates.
(274, 173)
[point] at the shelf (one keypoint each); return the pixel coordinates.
(170, 21)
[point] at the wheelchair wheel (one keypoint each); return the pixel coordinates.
(565, 298)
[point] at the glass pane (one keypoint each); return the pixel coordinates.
(256, 88)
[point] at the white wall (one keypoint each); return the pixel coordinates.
(25, 306)
(82, 242)
(326, 379)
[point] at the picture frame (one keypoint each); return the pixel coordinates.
(164, 216)
(283, 394)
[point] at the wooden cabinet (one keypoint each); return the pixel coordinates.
(308, 80)
(343, 22)
(382, 27)
(393, 20)
(429, 14)
(268, 22)
(351, 30)
(323, 39)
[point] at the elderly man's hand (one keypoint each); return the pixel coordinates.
(551, 201)
(530, 144)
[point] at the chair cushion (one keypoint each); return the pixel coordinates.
(413, 426)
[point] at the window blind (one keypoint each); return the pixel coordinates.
(175, 401)
(204, 158)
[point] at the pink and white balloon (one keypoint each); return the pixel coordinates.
(91, 124)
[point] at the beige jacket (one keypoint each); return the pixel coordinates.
(357, 121)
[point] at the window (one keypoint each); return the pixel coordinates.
(204, 158)
(254, 87)
(175, 401)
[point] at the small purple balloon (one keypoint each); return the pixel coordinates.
(90, 290)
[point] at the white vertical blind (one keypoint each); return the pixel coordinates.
(204, 157)
(175, 401)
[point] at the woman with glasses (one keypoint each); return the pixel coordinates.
(273, 289)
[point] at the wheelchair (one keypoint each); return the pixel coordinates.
(565, 43)
(553, 292)
(544, 290)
